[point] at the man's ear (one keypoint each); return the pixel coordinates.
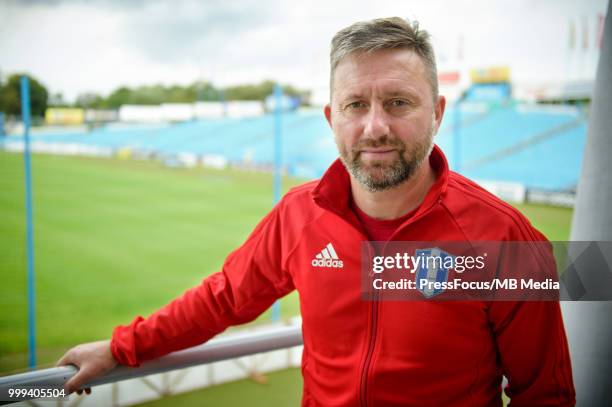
(327, 112)
(439, 111)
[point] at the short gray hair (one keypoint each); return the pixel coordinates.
(385, 33)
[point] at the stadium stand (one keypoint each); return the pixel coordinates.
(539, 147)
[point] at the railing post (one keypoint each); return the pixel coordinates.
(25, 116)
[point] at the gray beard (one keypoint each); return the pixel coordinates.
(380, 176)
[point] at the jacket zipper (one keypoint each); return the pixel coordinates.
(374, 320)
(371, 343)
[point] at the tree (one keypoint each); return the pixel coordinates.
(205, 91)
(120, 96)
(90, 100)
(10, 96)
(57, 100)
(197, 91)
(259, 91)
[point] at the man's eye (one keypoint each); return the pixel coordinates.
(398, 103)
(355, 105)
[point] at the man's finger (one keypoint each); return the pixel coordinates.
(77, 381)
(65, 360)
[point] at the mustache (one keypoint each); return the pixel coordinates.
(384, 141)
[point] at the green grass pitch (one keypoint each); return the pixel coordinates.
(114, 239)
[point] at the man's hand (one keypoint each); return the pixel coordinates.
(92, 359)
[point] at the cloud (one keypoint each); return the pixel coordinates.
(97, 45)
(110, 4)
(192, 30)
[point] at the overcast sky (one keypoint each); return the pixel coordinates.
(76, 46)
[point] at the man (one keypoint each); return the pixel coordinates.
(391, 183)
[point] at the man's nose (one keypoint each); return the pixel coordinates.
(376, 123)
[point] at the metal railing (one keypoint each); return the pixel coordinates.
(213, 351)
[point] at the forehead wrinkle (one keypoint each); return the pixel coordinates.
(404, 65)
(407, 69)
(406, 62)
(404, 90)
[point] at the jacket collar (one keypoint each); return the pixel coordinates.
(333, 191)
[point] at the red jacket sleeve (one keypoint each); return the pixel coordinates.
(252, 278)
(533, 352)
(530, 337)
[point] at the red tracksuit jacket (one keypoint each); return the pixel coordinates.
(368, 353)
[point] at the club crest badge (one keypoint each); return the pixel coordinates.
(432, 270)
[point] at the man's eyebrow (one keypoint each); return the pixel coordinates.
(393, 93)
(351, 96)
(405, 93)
